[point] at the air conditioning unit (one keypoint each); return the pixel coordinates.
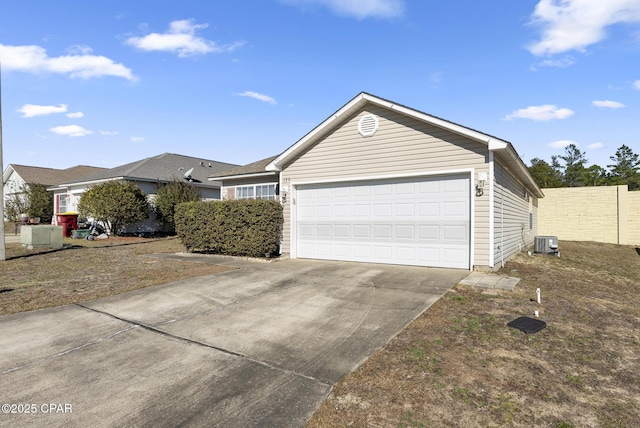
(546, 245)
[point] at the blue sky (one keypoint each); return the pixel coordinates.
(106, 83)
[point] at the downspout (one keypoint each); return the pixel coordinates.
(281, 192)
(502, 221)
(492, 231)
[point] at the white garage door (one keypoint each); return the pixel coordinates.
(410, 221)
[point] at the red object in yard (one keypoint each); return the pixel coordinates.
(69, 223)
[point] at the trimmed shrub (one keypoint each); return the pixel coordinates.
(245, 227)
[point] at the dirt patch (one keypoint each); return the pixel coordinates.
(86, 270)
(460, 365)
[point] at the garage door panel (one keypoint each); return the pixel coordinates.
(455, 233)
(454, 209)
(359, 191)
(361, 252)
(382, 210)
(383, 231)
(427, 254)
(405, 232)
(342, 211)
(361, 231)
(382, 190)
(453, 186)
(324, 230)
(452, 257)
(428, 232)
(361, 210)
(324, 211)
(414, 221)
(429, 209)
(342, 192)
(405, 209)
(342, 231)
(428, 187)
(342, 251)
(382, 252)
(306, 231)
(324, 193)
(406, 254)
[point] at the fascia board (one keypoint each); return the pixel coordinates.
(492, 142)
(234, 177)
(87, 183)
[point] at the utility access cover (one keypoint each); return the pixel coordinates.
(527, 325)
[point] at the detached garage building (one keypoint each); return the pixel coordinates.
(383, 183)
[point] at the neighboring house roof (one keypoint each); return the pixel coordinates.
(254, 169)
(50, 176)
(502, 148)
(164, 167)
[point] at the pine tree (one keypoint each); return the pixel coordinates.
(547, 176)
(626, 169)
(574, 170)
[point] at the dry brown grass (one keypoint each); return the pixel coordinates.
(86, 270)
(460, 365)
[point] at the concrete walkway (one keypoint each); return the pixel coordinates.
(260, 346)
(490, 280)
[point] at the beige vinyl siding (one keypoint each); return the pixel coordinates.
(401, 146)
(511, 215)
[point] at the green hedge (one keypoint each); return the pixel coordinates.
(246, 227)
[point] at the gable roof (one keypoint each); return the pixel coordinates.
(51, 176)
(254, 169)
(502, 148)
(163, 167)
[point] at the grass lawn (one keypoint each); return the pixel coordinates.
(86, 270)
(460, 365)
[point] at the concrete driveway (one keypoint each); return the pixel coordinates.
(258, 346)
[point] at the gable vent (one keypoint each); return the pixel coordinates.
(368, 125)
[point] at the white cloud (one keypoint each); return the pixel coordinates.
(181, 38)
(71, 131)
(568, 25)
(76, 115)
(608, 104)
(110, 133)
(137, 139)
(540, 113)
(557, 63)
(31, 110)
(562, 143)
(636, 84)
(34, 59)
(360, 9)
(595, 146)
(79, 50)
(258, 96)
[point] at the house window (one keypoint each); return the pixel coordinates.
(262, 191)
(63, 203)
(245, 192)
(266, 191)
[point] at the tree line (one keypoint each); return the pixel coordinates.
(569, 170)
